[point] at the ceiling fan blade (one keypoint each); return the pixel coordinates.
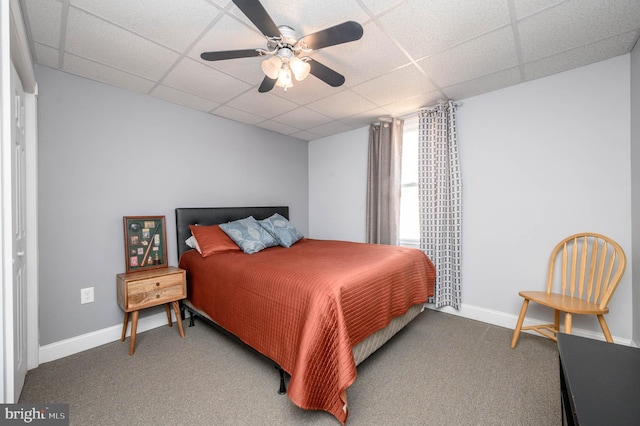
(256, 13)
(326, 74)
(229, 54)
(341, 33)
(267, 84)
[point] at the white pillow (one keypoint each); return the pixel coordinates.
(193, 243)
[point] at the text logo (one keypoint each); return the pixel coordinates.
(34, 414)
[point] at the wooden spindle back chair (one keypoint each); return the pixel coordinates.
(584, 272)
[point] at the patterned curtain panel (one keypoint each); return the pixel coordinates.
(383, 182)
(440, 193)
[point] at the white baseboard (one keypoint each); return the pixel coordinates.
(83, 342)
(87, 341)
(503, 319)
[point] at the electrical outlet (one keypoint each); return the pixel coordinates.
(86, 295)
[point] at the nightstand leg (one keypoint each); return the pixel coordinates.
(124, 326)
(176, 308)
(168, 309)
(134, 326)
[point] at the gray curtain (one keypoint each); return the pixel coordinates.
(440, 194)
(383, 182)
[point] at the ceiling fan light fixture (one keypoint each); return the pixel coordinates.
(284, 78)
(300, 68)
(271, 67)
(286, 47)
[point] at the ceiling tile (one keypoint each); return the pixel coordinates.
(182, 98)
(330, 128)
(309, 90)
(380, 6)
(575, 23)
(305, 136)
(44, 21)
(221, 3)
(342, 104)
(302, 118)
(245, 69)
(201, 80)
(525, 8)
(99, 72)
(278, 127)
(362, 60)
(264, 105)
(228, 34)
(365, 118)
(400, 84)
(106, 43)
(424, 28)
(484, 84)
(46, 55)
(237, 115)
(414, 103)
(581, 56)
(489, 53)
(176, 30)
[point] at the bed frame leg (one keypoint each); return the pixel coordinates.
(192, 316)
(183, 307)
(283, 388)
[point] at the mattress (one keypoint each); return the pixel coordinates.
(308, 306)
(368, 346)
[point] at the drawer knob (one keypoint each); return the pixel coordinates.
(157, 296)
(157, 284)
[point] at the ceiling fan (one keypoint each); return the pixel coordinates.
(286, 51)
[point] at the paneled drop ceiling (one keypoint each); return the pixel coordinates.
(412, 54)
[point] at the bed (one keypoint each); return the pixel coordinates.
(317, 308)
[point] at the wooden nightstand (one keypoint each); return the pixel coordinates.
(144, 289)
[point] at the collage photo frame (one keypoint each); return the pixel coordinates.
(145, 242)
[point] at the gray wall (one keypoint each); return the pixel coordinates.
(540, 161)
(105, 153)
(635, 186)
(338, 185)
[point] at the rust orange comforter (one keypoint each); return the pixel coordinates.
(306, 306)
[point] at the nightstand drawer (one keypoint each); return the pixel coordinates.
(154, 291)
(142, 290)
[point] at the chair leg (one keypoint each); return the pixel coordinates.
(556, 322)
(567, 322)
(605, 329)
(516, 332)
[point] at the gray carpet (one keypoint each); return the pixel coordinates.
(440, 370)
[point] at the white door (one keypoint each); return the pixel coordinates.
(18, 201)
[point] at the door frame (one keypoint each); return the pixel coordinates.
(14, 48)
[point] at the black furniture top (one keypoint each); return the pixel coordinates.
(600, 380)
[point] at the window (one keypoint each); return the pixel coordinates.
(409, 207)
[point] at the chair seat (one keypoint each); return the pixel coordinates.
(564, 303)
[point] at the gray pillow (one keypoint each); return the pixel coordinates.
(282, 230)
(248, 235)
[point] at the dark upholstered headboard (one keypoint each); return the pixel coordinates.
(186, 216)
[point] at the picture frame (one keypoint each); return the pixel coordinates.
(145, 242)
